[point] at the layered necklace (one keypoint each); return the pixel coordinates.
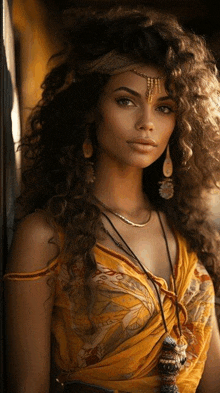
(173, 354)
(129, 222)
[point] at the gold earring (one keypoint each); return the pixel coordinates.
(88, 152)
(166, 189)
(87, 148)
(168, 165)
(90, 172)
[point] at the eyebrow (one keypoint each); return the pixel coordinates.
(133, 92)
(165, 98)
(136, 94)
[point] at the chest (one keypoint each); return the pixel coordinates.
(148, 244)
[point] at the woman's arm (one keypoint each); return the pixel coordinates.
(29, 308)
(210, 382)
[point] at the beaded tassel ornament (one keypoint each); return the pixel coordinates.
(172, 358)
(173, 354)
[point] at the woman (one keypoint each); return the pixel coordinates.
(112, 257)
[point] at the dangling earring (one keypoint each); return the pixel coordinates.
(166, 189)
(88, 152)
(87, 148)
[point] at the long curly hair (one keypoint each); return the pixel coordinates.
(98, 43)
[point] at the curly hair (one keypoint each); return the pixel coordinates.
(96, 44)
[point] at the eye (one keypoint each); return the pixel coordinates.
(124, 101)
(166, 109)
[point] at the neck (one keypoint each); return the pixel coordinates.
(120, 188)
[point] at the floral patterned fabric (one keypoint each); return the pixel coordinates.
(112, 336)
(109, 333)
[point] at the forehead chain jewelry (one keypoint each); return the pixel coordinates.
(152, 83)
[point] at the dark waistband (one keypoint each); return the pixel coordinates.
(82, 387)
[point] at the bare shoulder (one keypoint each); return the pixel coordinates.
(35, 243)
(37, 226)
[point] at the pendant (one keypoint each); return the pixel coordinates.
(172, 359)
(166, 189)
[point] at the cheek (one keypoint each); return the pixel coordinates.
(164, 137)
(167, 130)
(112, 126)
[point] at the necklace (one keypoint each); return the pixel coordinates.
(124, 218)
(173, 355)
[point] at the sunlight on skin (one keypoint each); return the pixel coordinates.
(132, 134)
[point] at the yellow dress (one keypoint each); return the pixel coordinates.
(111, 335)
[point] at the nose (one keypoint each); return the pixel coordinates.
(144, 121)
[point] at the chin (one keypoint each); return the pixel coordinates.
(143, 163)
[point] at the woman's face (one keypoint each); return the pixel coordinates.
(133, 131)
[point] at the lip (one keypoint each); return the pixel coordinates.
(143, 141)
(142, 146)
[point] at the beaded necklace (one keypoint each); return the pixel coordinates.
(173, 355)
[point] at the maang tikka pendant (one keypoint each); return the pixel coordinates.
(153, 84)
